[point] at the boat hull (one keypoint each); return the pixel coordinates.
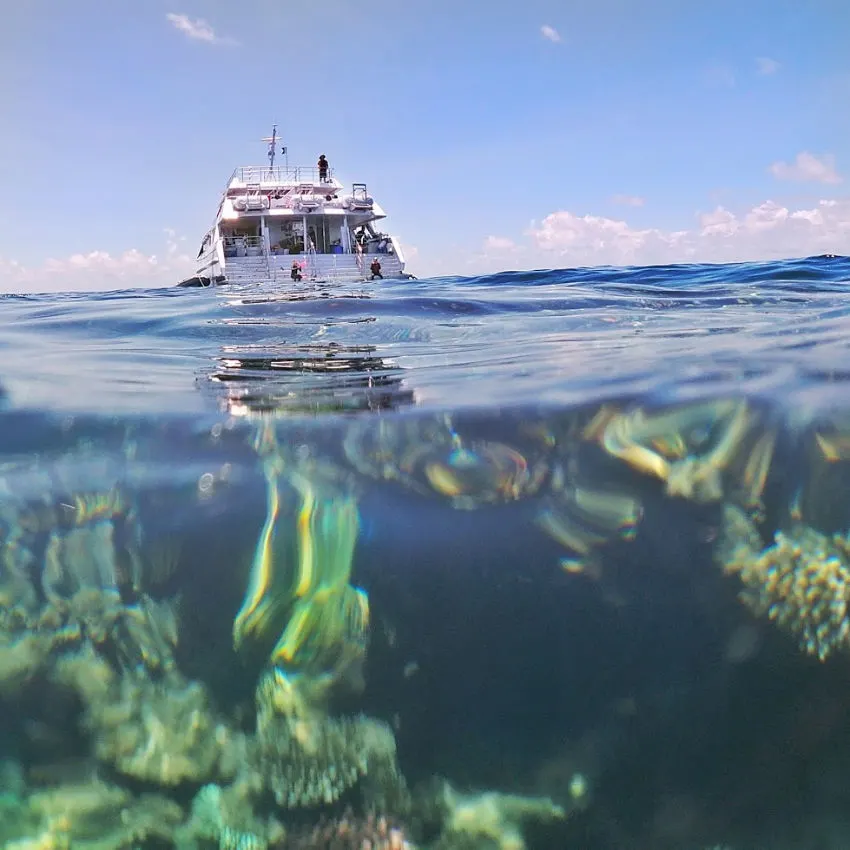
(202, 280)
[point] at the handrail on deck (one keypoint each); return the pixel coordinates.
(248, 241)
(278, 174)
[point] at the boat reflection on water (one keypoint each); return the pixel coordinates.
(310, 378)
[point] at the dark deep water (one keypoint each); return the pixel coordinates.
(547, 560)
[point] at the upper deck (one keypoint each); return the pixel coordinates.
(278, 176)
(255, 191)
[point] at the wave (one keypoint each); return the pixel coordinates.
(512, 338)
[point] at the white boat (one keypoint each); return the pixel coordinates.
(294, 224)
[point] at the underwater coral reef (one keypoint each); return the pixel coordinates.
(137, 753)
(137, 715)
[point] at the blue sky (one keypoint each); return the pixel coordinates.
(498, 135)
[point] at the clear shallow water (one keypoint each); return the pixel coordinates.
(543, 559)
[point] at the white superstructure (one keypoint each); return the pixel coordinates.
(274, 217)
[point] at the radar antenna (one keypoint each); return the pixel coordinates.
(272, 141)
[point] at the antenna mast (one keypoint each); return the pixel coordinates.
(272, 141)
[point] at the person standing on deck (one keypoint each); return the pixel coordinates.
(375, 268)
(323, 169)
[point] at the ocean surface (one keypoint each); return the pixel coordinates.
(540, 560)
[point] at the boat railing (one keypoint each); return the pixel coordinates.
(259, 174)
(243, 246)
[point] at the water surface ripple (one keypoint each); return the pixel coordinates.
(514, 338)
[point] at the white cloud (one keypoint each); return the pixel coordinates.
(765, 231)
(766, 66)
(719, 222)
(499, 243)
(808, 167)
(590, 239)
(100, 270)
(629, 200)
(197, 30)
(550, 33)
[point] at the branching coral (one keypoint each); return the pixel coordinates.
(491, 816)
(95, 816)
(65, 562)
(802, 581)
(157, 731)
(226, 817)
(310, 758)
(62, 565)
